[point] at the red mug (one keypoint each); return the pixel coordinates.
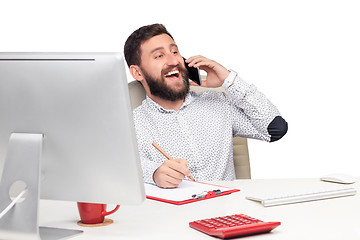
(93, 213)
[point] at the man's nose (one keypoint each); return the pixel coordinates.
(172, 60)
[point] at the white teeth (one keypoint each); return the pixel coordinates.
(172, 72)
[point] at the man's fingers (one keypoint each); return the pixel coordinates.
(200, 61)
(171, 173)
(170, 182)
(179, 165)
(173, 169)
(190, 59)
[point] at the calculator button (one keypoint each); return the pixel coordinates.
(233, 226)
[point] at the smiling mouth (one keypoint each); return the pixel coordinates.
(174, 74)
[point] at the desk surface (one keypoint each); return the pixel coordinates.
(326, 219)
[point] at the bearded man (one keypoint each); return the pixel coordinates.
(195, 128)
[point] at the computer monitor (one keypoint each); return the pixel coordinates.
(72, 111)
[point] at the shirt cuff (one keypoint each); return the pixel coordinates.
(230, 79)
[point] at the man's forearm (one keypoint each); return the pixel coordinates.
(261, 113)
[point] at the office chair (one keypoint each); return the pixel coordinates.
(240, 145)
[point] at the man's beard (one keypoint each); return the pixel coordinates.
(159, 87)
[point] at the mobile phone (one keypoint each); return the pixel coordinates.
(194, 73)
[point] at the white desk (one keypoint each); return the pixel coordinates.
(326, 219)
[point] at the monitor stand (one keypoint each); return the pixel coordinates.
(23, 162)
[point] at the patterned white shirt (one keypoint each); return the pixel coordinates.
(202, 130)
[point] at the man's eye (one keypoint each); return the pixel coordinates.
(175, 52)
(159, 56)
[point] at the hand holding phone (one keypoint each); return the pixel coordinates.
(216, 73)
(194, 73)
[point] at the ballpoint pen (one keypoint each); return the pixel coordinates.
(168, 157)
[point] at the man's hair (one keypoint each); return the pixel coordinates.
(132, 47)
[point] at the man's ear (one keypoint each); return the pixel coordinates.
(135, 71)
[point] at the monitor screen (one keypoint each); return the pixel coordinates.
(80, 103)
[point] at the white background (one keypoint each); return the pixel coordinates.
(304, 55)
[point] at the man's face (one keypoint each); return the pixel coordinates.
(163, 68)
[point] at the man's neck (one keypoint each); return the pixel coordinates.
(169, 105)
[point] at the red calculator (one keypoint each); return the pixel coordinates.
(233, 226)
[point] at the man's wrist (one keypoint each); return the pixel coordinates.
(230, 79)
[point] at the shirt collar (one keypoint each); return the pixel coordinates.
(159, 108)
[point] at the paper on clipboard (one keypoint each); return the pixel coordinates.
(185, 191)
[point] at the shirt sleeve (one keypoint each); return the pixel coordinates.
(246, 101)
(144, 142)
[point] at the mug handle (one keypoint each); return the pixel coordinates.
(105, 213)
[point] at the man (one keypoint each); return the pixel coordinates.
(195, 129)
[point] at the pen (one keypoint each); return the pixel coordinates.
(167, 156)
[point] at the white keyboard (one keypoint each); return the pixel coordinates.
(273, 200)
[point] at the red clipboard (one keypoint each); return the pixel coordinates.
(188, 192)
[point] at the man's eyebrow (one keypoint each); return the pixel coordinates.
(162, 48)
(173, 45)
(156, 49)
